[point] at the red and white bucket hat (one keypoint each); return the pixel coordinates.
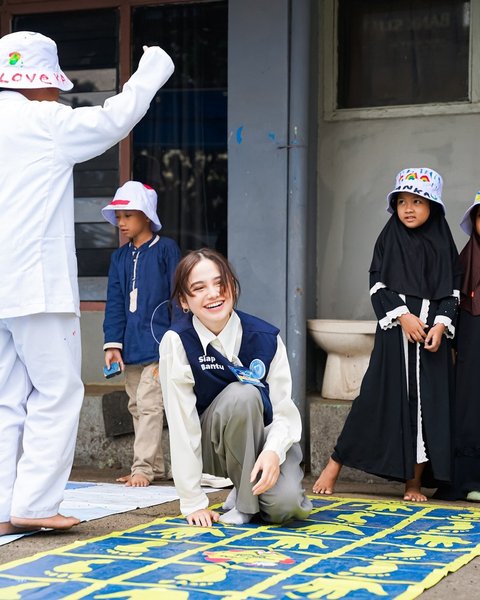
(134, 195)
(29, 60)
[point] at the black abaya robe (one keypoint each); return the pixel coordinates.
(466, 470)
(466, 467)
(380, 433)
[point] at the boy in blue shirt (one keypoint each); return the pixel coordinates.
(136, 317)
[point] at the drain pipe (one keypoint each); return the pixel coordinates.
(300, 14)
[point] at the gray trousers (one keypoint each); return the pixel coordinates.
(233, 436)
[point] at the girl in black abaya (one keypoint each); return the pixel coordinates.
(466, 469)
(399, 426)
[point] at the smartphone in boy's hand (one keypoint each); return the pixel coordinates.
(114, 369)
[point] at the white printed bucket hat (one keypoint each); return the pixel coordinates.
(421, 181)
(134, 195)
(29, 60)
(467, 224)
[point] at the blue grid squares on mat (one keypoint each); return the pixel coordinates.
(353, 549)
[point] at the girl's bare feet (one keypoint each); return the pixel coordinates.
(135, 480)
(414, 494)
(413, 487)
(56, 522)
(124, 478)
(325, 484)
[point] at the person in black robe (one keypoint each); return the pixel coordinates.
(466, 468)
(399, 426)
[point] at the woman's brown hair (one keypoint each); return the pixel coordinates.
(228, 279)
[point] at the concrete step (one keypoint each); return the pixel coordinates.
(102, 443)
(99, 447)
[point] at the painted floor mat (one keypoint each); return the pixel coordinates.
(348, 548)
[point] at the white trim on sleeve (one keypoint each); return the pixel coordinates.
(449, 327)
(378, 286)
(113, 345)
(391, 318)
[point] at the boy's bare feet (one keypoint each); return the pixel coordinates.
(325, 484)
(136, 480)
(58, 521)
(413, 491)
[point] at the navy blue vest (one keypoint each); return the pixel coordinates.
(211, 369)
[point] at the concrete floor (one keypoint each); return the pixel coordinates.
(462, 585)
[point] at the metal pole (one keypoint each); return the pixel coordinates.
(300, 14)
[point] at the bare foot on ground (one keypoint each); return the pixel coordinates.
(413, 493)
(325, 484)
(136, 480)
(124, 478)
(413, 487)
(56, 522)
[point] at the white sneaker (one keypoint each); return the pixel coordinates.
(215, 482)
(473, 496)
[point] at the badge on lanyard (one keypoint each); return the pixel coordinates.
(246, 376)
(133, 300)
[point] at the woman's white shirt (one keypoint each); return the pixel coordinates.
(177, 381)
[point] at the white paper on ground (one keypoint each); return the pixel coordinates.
(89, 500)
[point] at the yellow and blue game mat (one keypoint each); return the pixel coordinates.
(348, 548)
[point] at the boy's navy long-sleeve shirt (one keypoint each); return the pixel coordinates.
(138, 312)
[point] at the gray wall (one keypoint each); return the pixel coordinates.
(357, 161)
(91, 323)
(357, 164)
(257, 125)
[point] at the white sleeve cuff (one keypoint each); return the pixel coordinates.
(391, 318)
(279, 449)
(378, 286)
(449, 328)
(113, 345)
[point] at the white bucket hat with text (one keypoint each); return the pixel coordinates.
(29, 60)
(422, 181)
(134, 195)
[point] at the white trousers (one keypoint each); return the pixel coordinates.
(41, 394)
